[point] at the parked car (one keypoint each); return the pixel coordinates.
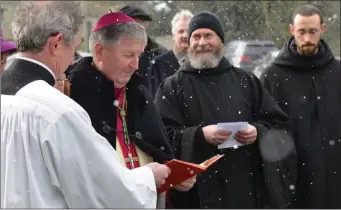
(78, 55)
(263, 63)
(243, 54)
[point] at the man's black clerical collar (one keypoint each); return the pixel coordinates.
(32, 70)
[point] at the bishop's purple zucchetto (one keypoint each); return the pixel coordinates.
(111, 19)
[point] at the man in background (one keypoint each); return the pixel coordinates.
(152, 49)
(305, 81)
(169, 62)
(207, 90)
(7, 48)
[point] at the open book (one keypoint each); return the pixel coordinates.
(181, 171)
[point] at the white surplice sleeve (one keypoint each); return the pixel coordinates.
(87, 170)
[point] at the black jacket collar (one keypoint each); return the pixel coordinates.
(84, 65)
(22, 72)
(288, 57)
(32, 70)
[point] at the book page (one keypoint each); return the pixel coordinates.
(210, 161)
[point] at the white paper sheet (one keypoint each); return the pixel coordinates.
(234, 127)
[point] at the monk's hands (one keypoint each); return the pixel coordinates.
(247, 136)
(186, 185)
(160, 171)
(215, 136)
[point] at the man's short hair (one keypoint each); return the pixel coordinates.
(306, 11)
(182, 14)
(110, 35)
(34, 22)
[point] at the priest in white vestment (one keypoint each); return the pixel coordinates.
(51, 156)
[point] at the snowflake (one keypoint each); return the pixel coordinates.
(331, 142)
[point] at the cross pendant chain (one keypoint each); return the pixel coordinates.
(131, 160)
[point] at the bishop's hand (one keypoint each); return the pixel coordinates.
(215, 136)
(186, 185)
(160, 171)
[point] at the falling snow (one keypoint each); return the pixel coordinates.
(254, 21)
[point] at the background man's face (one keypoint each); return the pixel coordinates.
(307, 32)
(180, 36)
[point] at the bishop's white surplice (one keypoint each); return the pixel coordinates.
(51, 157)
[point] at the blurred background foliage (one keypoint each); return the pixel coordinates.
(263, 20)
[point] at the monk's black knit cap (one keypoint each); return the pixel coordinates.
(206, 20)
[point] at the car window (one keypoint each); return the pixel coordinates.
(257, 51)
(230, 48)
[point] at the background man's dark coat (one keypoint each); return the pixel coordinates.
(164, 65)
(152, 50)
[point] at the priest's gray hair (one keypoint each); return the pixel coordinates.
(34, 22)
(183, 14)
(111, 34)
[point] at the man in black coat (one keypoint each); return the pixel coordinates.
(152, 49)
(305, 81)
(208, 90)
(168, 63)
(109, 89)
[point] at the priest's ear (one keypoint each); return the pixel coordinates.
(55, 42)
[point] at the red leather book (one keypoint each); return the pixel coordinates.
(181, 171)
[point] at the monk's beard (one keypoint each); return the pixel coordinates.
(205, 58)
(307, 51)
